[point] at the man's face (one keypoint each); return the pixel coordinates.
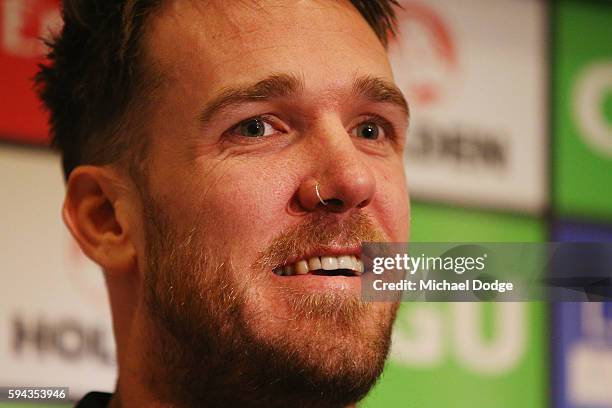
(263, 102)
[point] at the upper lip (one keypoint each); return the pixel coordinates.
(324, 251)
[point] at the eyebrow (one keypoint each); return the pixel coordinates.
(286, 85)
(274, 86)
(380, 90)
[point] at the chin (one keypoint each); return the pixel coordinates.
(335, 346)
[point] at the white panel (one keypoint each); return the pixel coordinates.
(589, 373)
(474, 73)
(55, 325)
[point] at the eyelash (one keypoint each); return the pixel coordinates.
(385, 125)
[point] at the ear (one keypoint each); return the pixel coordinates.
(96, 212)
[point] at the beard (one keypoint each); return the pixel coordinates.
(217, 338)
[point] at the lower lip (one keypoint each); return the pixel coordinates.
(320, 283)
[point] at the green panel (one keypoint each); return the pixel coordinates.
(583, 83)
(432, 223)
(445, 378)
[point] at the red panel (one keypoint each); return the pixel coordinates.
(22, 24)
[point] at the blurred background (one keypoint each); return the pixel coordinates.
(510, 141)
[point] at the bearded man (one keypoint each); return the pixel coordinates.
(224, 162)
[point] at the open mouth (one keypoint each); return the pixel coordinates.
(343, 265)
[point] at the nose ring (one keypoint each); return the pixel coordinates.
(319, 194)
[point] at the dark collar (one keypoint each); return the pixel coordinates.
(95, 399)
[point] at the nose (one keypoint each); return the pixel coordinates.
(341, 180)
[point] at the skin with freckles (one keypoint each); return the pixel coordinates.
(260, 101)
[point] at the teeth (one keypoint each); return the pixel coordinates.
(301, 268)
(327, 263)
(314, 263)
(346, 262)
(358, 266)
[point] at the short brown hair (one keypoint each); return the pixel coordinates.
(94, 82)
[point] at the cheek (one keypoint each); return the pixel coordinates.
(391, 204)
(244, 206)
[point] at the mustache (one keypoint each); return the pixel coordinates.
(319, 231)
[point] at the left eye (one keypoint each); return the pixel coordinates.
(254, 128)
(368, 130)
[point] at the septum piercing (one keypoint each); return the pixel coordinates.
(319, 194)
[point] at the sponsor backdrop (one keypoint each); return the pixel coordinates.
(480, 354)
(582, 77)
(474, 73)
(54, 313)
(581, 69)
(582, 337)
(511, 131)
(22, 24)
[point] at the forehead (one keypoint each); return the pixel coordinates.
(220, 43)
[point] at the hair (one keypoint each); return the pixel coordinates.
(95, 85)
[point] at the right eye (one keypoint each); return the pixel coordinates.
(253, 128)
